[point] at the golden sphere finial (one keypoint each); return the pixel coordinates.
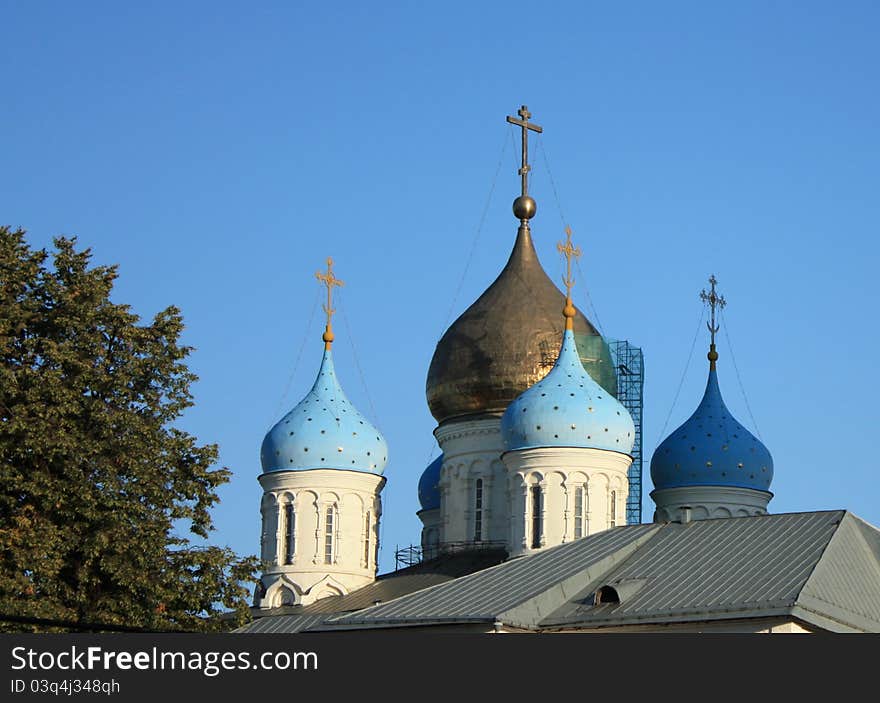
(525, 207)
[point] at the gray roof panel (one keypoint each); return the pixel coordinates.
(718, 566)
(845, 584)
(297, 618)
(283, 624)
(485, 594)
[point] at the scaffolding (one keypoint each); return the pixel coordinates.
(629, 366)
(406, 556)
(412, 554)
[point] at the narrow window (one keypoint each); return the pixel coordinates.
(478, 511)
(367, 540)
(586, 511)
(613, 509)
(328, 536)
(289, 533)
(578, 512)
(282, 535)
(264, 537)
(536, 517)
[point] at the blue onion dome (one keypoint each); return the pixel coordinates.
(567, 408)
(325, 431)
(429, 489)
(712, 449)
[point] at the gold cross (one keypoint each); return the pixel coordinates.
(569, 252)
(715, 302)
(524, 113)
(329, 280)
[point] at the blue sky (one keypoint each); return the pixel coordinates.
(219, 152)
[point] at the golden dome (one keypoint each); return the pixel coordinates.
(503, 343)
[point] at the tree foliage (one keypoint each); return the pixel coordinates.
(99, 493)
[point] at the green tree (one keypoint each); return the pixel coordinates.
(99, 493)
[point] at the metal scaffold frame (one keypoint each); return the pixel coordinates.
(630, 370)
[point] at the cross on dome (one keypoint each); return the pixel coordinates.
(715, 301)
(330, 281)
(570, 252)
(524, 207)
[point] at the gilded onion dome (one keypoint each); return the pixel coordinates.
(507, 341)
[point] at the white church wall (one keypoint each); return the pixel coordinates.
(557, 473)
(323, 562)
(471, 451)
(707, 502)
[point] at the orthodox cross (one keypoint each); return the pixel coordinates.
(569, 252)
(715, 302)
(329, 280)
(524, 123)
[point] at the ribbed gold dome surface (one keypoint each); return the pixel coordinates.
(503, 343)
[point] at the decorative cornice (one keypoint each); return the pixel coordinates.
(322, 479)
(460, 430)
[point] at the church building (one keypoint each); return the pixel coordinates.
(525, 517)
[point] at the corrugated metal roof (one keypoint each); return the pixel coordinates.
(482, 595)
(712, 567)
(283, 624)
(845, 585)
(821, 567)
(297, 618)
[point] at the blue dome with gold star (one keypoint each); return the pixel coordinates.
(429, 489)
(712, 449)
(324, 431)
(567, 408)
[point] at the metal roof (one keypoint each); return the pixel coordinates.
(482, 595)
(845, 585)
(296, 618)
(283, 624)
(711, 568)
(822, 568)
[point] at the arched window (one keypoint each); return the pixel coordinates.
(478, 510)
(289, 548)
(578, 512)
(612, 510)
(329, 525)
(536, 517)
(367, 540)
(430, 542)
(268, 512)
